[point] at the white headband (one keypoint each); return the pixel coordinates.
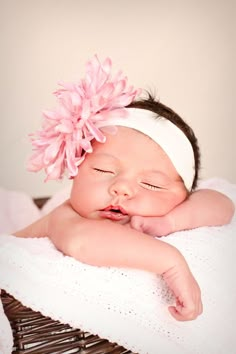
(170, 138)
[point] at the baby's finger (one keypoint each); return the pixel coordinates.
(137, 223)
(200, 308)
(144, 224)
(183, 314)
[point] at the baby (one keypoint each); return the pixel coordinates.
(138, 164)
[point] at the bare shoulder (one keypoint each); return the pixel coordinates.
(64, 210)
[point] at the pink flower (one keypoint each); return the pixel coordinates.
(66, 134)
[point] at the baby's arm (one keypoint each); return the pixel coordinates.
(105, 243)
(204, 207)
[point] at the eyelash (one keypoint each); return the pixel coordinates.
(148, 185)
(151, 186)
(102, 171)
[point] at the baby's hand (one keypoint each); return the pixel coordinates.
(152, 225)
(187, 293)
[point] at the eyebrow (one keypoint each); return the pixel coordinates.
(102, 154)
(163, 175)
(157, 173)
(152, 171)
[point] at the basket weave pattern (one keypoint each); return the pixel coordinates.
(36, 334)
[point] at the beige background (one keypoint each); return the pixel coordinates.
(184, 50)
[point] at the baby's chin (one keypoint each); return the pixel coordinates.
(123, 222)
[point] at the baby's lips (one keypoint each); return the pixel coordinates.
(115, 208)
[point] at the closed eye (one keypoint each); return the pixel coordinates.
(150, 186)
(102, 171)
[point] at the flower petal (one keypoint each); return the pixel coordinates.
(98, 135)
(67, 131)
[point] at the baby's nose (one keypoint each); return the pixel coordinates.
(122, 188)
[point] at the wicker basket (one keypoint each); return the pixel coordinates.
(35, 334)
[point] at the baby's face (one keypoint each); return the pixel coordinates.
(127, 175)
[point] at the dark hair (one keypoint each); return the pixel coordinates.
(151, 104)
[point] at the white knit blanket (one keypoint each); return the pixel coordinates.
(125, 306)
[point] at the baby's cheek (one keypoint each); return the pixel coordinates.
(164, 204)
(77, 203)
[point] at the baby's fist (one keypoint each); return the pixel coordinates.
(152, 225)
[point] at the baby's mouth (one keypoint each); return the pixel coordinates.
(116, 209)
(114, 212)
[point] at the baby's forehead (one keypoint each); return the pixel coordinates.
(126, 132)
(129, 139)
(162, 131)
(133, 149)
